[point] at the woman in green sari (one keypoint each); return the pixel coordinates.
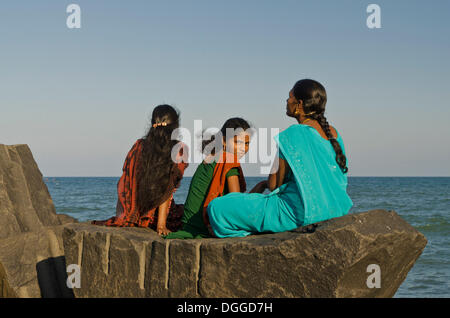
(308, 182)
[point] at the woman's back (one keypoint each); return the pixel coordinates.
(320, 181)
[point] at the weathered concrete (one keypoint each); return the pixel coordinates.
(30, 229)
(329, 260)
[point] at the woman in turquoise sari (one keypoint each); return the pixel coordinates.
(308, 182)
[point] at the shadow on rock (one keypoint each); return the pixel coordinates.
(52, 277)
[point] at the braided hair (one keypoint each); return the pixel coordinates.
(314, 98)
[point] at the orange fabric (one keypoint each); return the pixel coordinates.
(127, 213)
(228, 161)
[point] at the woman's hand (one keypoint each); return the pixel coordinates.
(162, 230)
(163, 211)
(260, 187)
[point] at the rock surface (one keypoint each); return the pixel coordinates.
(329, 259)
(31, 246)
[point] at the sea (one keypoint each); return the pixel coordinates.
(422, 201)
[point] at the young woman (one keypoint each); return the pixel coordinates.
(152, 172)
(308, 182)
(219, 174)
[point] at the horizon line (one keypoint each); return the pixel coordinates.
(261, 176)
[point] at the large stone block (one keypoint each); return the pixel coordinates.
(33, 263)
(329, 259)
(31, 249)
(25, 203)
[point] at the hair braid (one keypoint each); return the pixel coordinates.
(340, 157)
(314, 98)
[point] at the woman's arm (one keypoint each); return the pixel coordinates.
(233, 184)
(260, 187)
(163, 211)
(276, 177)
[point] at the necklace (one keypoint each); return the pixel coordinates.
(305, 121)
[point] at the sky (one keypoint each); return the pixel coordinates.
(81, 97)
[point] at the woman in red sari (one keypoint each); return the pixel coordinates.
(152, 172)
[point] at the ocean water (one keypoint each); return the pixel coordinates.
(422, 202)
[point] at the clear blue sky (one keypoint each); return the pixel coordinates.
(80, 98)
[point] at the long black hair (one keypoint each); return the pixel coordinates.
(314, 98)
(155, 167)
(215, 141)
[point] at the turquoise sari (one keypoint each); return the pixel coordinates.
(315, 190)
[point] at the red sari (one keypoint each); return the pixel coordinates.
(127, 213)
